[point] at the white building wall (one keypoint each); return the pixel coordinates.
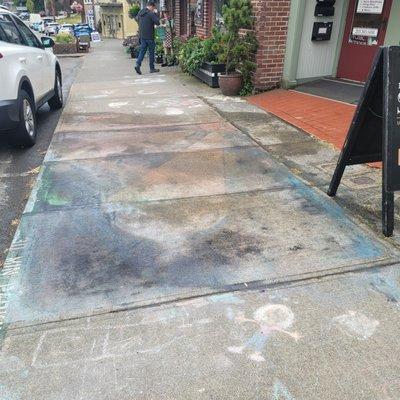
(316, 59)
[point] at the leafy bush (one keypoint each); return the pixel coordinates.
(64, 38)
(195, 51)
(227, 45)
(134, 11)
(159, 50)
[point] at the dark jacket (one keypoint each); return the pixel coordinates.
(146, 20)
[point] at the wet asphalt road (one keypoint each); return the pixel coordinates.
(20, 166)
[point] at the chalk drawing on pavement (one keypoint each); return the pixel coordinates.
(356, 324)
(269, 319)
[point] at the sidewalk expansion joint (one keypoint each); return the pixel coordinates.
(257, 285)
(173, 199)
(141, 155)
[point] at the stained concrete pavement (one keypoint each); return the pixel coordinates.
(164, 254)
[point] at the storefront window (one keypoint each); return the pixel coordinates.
(367, 21)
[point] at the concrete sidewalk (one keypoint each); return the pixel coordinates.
(164, 254)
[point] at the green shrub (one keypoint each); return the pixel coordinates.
(64, 38)
(134, 11)
(195, 51)
(227, 45)
(237, 50)
(191, 55)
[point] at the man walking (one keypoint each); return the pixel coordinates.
(147, 18)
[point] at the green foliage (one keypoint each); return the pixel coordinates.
(228, 45)
(235, 49)
(64, 38)
(30, 5)
(195, 51)
(134, 10)
(191, 54)
(39, 6)
(239, 49)
(159, 50)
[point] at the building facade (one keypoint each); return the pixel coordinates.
(114, 19)
(197, 17)
(353, 36)
(301, 40)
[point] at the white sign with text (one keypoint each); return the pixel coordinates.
(370, 6)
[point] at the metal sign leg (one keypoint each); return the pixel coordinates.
(387, 212)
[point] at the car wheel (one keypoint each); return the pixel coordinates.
(26, 129)
(56, 102)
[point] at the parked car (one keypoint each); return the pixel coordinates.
(67, 28)
(30, 76)
(37, 26)
(82, 29)
(24, 16)
(52, 28)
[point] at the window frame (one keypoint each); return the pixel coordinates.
(35, 39)
(9, 16)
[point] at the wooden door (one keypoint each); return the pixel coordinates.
(365, 31)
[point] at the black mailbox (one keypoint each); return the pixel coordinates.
(323, 10)
(322, 31)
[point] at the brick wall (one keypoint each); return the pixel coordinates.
(271, 22)
(270, 25)
(204, 29)
(176, 16)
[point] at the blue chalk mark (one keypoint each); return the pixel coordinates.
(279, 391)
(257, 342)
(386, 286)
(5, 394)
(227, 298)
(362, 245)
(230, 314)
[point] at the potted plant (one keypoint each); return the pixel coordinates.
(237, 50)
(65, 44)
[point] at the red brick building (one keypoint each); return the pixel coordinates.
(196, 17)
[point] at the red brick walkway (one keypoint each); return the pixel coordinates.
(328, 120)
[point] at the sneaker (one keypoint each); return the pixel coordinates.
(138, 71)
(152, 71)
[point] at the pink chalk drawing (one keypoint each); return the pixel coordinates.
(270, 319)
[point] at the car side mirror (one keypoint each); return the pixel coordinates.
(47, 42)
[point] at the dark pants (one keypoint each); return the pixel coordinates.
(144, 45)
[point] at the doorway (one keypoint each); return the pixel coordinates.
(365, 31)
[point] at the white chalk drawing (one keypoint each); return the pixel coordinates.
(118, 104)
(147, 81)
(143, 92)
(10, 269)
(356, 324)
(269, 319)
(95, 96)
(173, 111)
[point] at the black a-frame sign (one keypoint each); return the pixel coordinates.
(374, 133)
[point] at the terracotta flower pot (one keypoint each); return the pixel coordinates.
(231, 83)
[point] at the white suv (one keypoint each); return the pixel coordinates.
(30, 76)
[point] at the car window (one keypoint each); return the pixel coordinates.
(10, 30)
(2, 35)
(29, 37)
